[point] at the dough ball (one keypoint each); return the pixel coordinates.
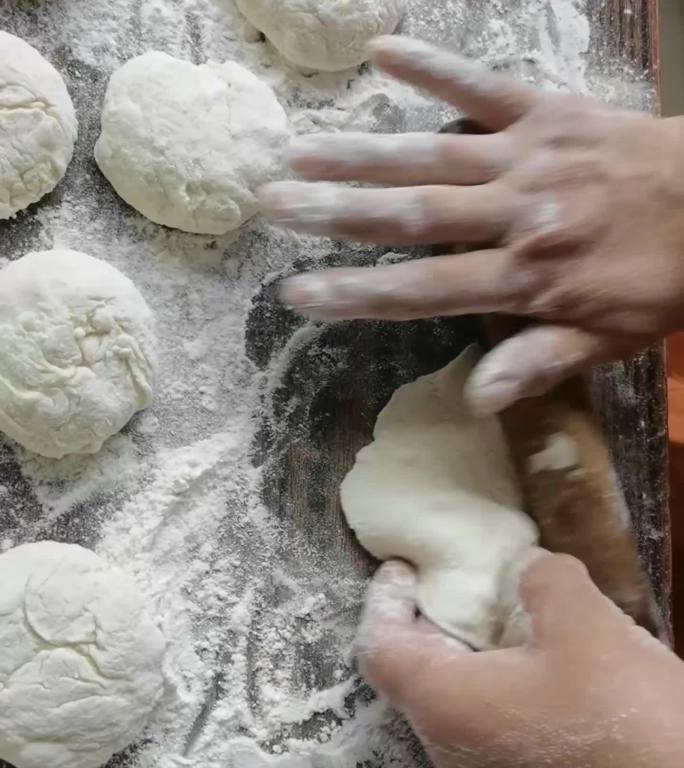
(188, 145)
(81, 661)
(76, 352)
(37, 126)
(437, 487)
(328, 35)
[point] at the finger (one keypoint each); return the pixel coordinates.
(392, 601)
(402, 216)
(478, 281)
(401, 159)
(391, 595)
(532, 362)
(415, 665)
(493, 100)
(391, 642)
(566, 608)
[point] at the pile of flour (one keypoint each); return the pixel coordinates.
(260, 619)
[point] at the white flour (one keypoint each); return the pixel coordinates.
(260, 616)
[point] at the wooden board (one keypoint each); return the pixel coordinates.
(627, 31)
(631, 397)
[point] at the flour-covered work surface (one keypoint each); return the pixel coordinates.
(220, 498)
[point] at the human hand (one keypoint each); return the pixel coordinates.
(584, 205)
(592, 690)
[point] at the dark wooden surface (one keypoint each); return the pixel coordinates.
(627, 31)
(325, 409)
(631, 397)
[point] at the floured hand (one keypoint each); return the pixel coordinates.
(584, 205)
(593, 690)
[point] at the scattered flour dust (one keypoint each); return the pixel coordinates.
(260, 617)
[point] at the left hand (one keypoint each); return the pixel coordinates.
(584, 205)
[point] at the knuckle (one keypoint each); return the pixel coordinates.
(548, 295)
(530, 174)
(547, 302)
(545, 224)
(409, 212)
(559, 121)
(478, 165)
(542, 215)
(533, 576)
(521, 287)
(427, 199)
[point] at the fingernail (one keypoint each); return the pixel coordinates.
(531, 555)
(399, 573)
(392, 592)
(488, 399)
(305, 292)
(392, 44)
(273, 197)
(380, 43)
(493, 385)
(300, 148)
(313, 155)
(297, 205)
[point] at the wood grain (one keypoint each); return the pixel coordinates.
(631, 400)
(626, 32)
(631, 397)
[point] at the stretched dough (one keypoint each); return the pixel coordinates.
(437, 488)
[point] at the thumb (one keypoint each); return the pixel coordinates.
(393, 646)
(565, 607)
(533, 361)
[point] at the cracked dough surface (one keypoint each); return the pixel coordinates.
(37, 126)
(436, 487)
(187, 145)
(77, 352)
(80, 668)
(326, 35)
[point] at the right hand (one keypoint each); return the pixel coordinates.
(592, 690)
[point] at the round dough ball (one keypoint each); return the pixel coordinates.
(188, 145)
(329, 35)
(81, 661)
(37, 126)
(76, 352)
